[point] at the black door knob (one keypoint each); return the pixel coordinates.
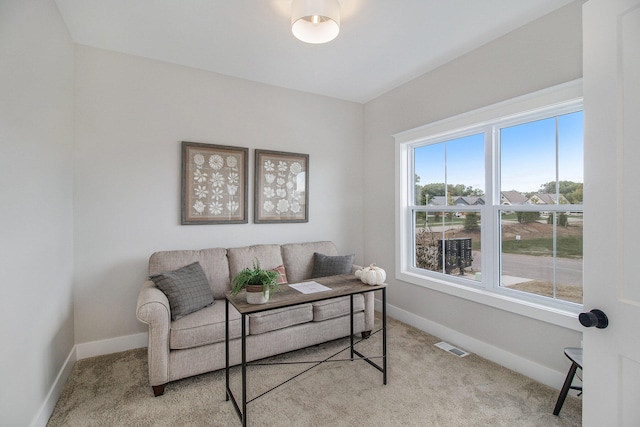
(594, 318)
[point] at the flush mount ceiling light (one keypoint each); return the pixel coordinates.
(315, 21)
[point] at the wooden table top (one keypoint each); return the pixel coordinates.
(341, 285)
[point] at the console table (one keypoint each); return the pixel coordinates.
(341, 285)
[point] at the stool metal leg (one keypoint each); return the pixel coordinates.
(565, 388)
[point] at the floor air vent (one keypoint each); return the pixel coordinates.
(451, 349)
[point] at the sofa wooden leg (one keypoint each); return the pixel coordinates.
(366, 334)
(158, 390)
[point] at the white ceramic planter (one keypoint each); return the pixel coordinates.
(257, 297)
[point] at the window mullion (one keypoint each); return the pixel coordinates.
(490, 264)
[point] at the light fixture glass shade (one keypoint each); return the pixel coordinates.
(315, 21)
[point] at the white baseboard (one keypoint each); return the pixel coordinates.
(78, 352)
(42, 417)
(516, 363)
(111, 345)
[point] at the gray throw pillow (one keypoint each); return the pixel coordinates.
(187, 289)
(326, 265)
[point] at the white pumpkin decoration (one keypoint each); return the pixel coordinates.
(371, 275)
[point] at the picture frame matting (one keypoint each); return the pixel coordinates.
(214, 184)
(281, 191)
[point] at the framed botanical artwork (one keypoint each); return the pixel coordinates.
(214, 184)
(281, 191)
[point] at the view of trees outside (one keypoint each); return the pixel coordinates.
(540, 165)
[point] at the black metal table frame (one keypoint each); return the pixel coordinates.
(242, 411)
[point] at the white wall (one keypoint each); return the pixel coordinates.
(36, 173)
(542, 54)
(131, 114)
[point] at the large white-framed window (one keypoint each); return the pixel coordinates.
(489, 205)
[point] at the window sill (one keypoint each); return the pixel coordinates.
(563, 317)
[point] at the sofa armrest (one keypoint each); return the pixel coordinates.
(153, 306)
(153, 309)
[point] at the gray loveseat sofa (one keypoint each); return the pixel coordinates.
(195, 344)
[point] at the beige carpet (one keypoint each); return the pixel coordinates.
(426, 387)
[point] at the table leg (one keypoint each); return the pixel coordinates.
(351, 317)
(244, 371)
(384, 335)
(226, 347)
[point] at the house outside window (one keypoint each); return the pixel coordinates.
(496, 205)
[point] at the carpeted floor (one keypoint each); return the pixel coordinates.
(426, 387)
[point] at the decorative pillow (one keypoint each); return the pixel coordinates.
(325, 265)
(282, 275)
(187, 289)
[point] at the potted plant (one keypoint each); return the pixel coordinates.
(259, 284)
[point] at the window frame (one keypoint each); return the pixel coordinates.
(560, 100)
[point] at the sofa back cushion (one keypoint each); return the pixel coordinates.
(213, 261)
(298, 258)
(268, 256)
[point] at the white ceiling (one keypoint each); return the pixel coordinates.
(382, 43)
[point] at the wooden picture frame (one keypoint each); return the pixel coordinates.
(281, 192)
(214, 184)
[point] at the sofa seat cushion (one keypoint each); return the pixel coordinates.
(279, 318)
(205, 326)
(336, 307)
